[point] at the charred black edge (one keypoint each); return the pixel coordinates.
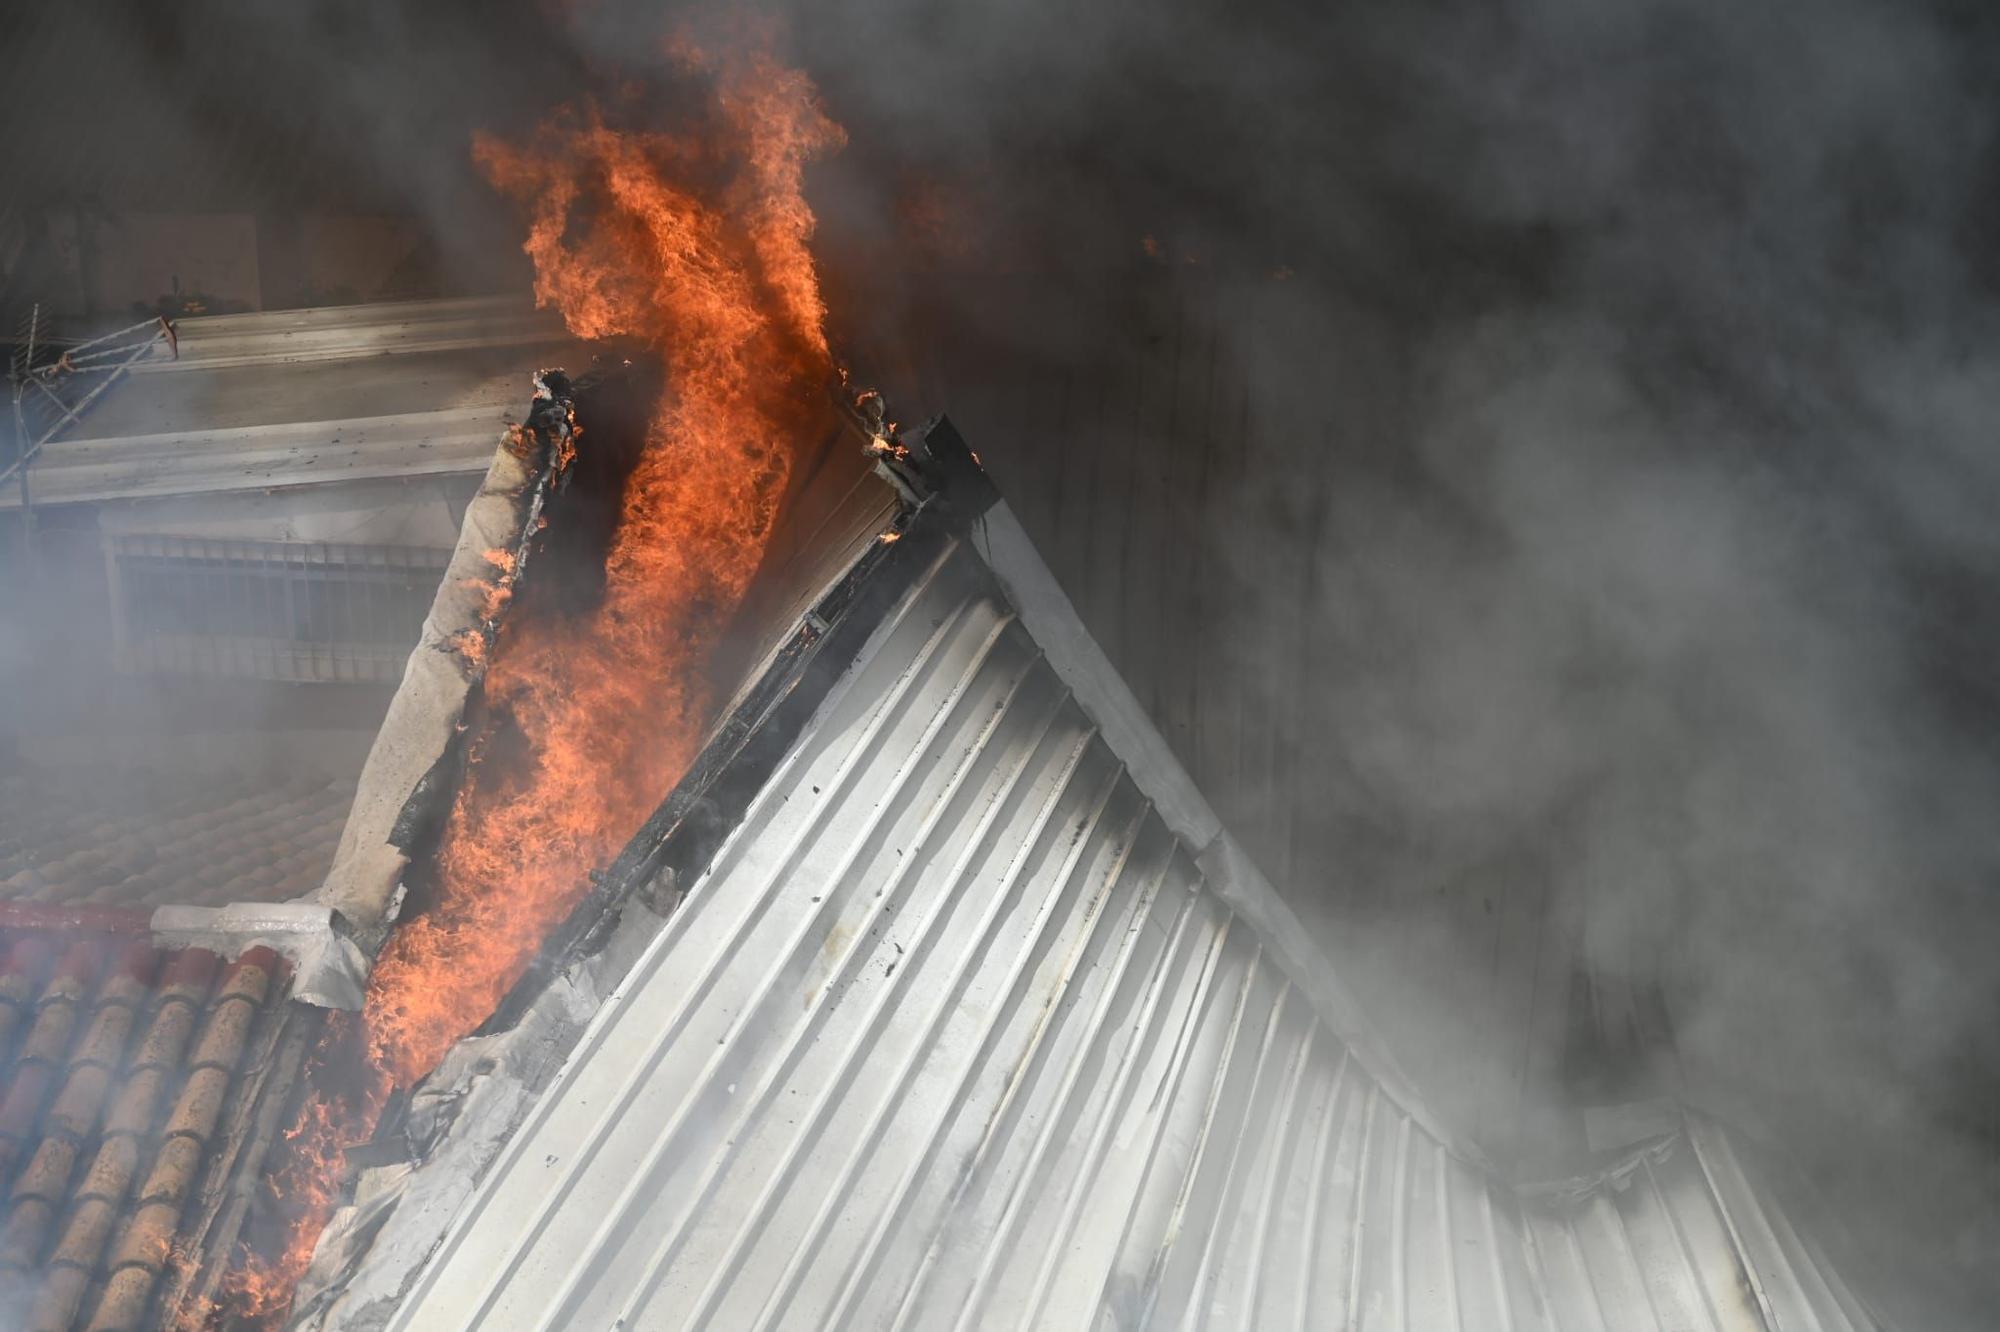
(688, 828)
(421, 818)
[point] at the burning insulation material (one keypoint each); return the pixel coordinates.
(693, 244)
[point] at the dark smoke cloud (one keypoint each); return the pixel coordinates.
(1657, 346)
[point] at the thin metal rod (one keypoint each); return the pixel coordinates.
(71, 362)
(152, 322)
(61, 406)
(72, 414)
(20, 464)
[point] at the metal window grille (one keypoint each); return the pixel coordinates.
(269, 610)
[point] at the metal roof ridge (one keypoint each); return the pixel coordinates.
(1051, 619)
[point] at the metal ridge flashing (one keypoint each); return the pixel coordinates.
(996, 534)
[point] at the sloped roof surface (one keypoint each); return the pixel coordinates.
(306, 397)
(957, 1032)
(151, 838)
(122, 1071)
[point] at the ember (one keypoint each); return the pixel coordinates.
(698, 247)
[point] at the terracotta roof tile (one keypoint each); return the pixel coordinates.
(118, 1062)
(114, 838)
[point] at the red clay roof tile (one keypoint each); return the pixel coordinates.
(118, 1062)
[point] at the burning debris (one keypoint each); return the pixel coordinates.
(694, 247)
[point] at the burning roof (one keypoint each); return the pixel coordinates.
(783, 915)
(594, 687)
(936, 993)
(951, 996)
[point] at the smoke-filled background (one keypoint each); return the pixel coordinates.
(1564, 431)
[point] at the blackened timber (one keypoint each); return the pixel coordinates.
(421, 818)
(230, 1194)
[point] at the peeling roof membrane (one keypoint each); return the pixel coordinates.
(420, 728)
(976, 1018)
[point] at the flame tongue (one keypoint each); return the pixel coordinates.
(699, 249)
(613, 709)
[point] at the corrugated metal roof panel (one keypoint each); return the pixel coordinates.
(337, 332)
(955, 1032)
(308, 397)
(261, 457)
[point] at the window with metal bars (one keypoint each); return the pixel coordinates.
(272, 610)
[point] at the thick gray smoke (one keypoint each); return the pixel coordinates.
(1656, 558)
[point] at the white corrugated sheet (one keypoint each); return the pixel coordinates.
(344, 332)
(308, 397)
(955, 1034)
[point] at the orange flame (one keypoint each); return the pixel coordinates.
(615, 711)
(503, 560)
(470, 645)
(700, 249)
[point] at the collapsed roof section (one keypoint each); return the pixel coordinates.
(964, 1010)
